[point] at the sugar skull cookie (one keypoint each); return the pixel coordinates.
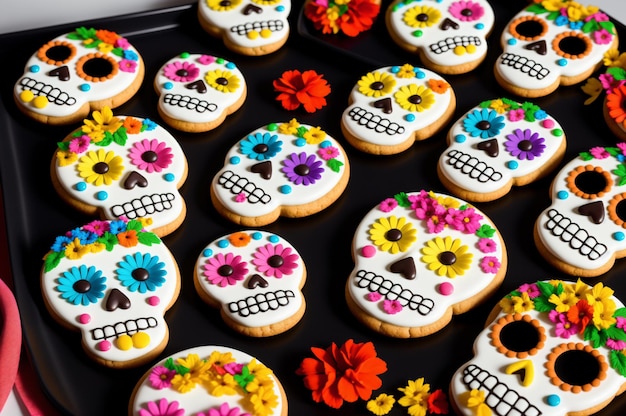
(76, 73)
(499, 144)
(123, 167)
(224, 381)
(550, 44)
(392, 107)
(282, 169)
(197, 92)
(582, 231)
(450, 36)
(420, 258)
(248, 27)
(549, 348)
(255, 278)
(614, 111)
(112, 281)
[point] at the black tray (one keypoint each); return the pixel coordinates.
(35, 214)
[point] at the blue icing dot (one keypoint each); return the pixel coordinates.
(410, 117)
(256, 235)
(562, 194)
(102, 195)
(169, 177)
(222, 243)
(553, 400)
(419, 74)
(285, 189)
(325, 144)
(395, 69)
(512, 164)
(81, 186)
(460, 138)
(168, 85)
(235, 160)
(300, 142)
(207, 252)
(512, 41)
(35, 68)
(619, 236)
(230, 65)
(84, 87)
(273, 238)
(280, 8)
(562, 62)
(479, 26)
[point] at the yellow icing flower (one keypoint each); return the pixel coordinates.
(603, 317)
(75, 250)
(102, 121)
(198, 368)
(376, 84)
(145, 221)
(223, 81)
(381, 405)
(266, 2)
(447, 257)
(104, 47)
(222, 6)
(222, 385)
(406, 71)
(100, 167)
(415, 97)
(219, 359)
(393, 234)
(289, 128)
(522, 303)
(579, 289)
(183, 383)
(263, 401)
(597, 296)
(476, 400)
(96, 247)
(507, 304)
(563, 301)
(65, 157)
(499, 105)
(421, 16)
(552, 5)
(445, 201)
(315, 135)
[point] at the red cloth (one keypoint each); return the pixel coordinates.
(10, 341)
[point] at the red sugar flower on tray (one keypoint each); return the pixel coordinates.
(306, 88)
(342, 373)
(349, 17)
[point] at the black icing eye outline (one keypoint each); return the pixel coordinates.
(589, 182)
(56, 53)
(97, 67)
(518, 336)
(576, 367)
(572, 45)
(528, 28)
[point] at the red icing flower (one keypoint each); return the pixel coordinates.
(346, 373)
(307, 89)
(580, 314)
(438, 402)
(349, 17)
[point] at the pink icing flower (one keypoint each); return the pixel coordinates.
(486, 245)
(599, 152)
(161, 377)
(466, 11)
(602, 37)
(388, 205)
(225, 270)
(328, 152)
(391, 306)
(97, 227)
(489, 264)
(151, 155)
(425, 206)
(275, 260)
(79, 144)
(128, 65)
(531, 289)
(181, 71)
(615, 344)
(162, 408)
(517, 115)
(233, 368)
(464, 220)
(436, 223)
(122, 43)
(206, 59)
(374, 296)
(224, 410)
(241, 197)
(563, 328)
(598, 17)
(620, 322)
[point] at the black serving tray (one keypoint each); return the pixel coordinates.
(35, 214)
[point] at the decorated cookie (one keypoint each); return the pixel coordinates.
(392, 107)
(209, 381)
(550, 44)
(123, 167)
(344, 17)
(614, 110)
(420, 258)
(499, 144)
(197, 92)
(281, 169)
(255, 279)
(450, 36)
(248, 27)
(549, 348)
(112, 281)
(76, 73)
(583, 230)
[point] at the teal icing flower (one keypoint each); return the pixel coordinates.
(82, 285)
(484, 123)
(141, 272)
(261, 146)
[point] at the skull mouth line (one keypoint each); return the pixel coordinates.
(53, 94)
(472, 167)
(500, 398)
(525, 65)
(147, 204)
(237, 184)
(262, 302)
(393, 291)
(129, 327)
(448, 44)
(244, 29)
(189, 103)
(374, 122)
(573, 234)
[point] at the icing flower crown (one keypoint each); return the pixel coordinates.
(106, 41)
(619, 153)
(576, 309)
(349, 17)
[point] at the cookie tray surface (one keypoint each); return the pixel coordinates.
(35, 214)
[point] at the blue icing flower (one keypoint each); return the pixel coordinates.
(261, 146)
(82, 285)
(483, 123)
(141, 272)
(117, 226)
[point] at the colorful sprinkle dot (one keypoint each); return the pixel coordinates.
(557, 132)
(168, 85)
(220, 60)
(40, 101)
(272, 127)
(81, 186)
(562, 195)
(235, 160)
(512, 164)
(285, 189)
(184, 55)
(562, 62)
(446, 288)
(84, 318)
(417, 33)
(207, 252)
(325, 144)
(102, 195)
(141, 340)
(300, 142)
(460, 138)
(273, 238)
(395, 69)
(547, 123)
(230, 65)
(280, 8)
(222, 243)
(373, 296)
(511, 42)
(368, 251)
(410, 117)
(27, 96)
(104, 345)
(256, 235)
(619, 236)
(35, 68)
(124, 342)
(84, 87)
(553, 400)
(479, 26)
(153, 300)
(419, 73)
(169, 177)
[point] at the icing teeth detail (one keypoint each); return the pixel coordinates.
(146, 205)
(375, 122)
(448, 44)
(189, 103)
(129, 327)
(243, 30)
(473, 167)
(392, 291)
(261, 302)
(498, 396)
(53, 94)
(525, 65)
(237, 184)
(571, 233)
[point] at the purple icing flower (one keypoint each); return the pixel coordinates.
(302, 169)
(524, 144)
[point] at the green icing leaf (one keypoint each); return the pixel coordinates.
(620, 312)
(63, 145)
(134, 225)
(590, 26)
(148, 238)
(608, 26)
(542, 304)
(617, 359)
(120, 136)
(536, 8)
(301, 131)
(585, 156)
(485, 231)
(614, 332)
(107, 139)
(547, 289)
(403, 200)
(52, 260)
(617, 72)
(335, 165)
(244, 377)
(596, 337)
(621, 172)
(109, 240)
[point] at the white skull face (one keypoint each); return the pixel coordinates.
(584, 227)
(418, 258)
(124, 167)
(449, 35)
(282, 169)
(251, 27)
(499, 144)
(392, 107)
(544, 48)
(77, 72)
(554, 348)
(200, 90)
(112, 281)
(255, 278)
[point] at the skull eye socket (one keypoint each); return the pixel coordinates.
(518, 336)
(576, 367)
(56, 52)
(589, 182)
(572, 45)
(617, 209)
(96, 67)
(528, 28)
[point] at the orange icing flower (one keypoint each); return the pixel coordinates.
(128, 238)
(307, 89)
(107, 36)
(132, 125)
(239, 239)
(342, 373)
(349, 17)
(614, 103)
